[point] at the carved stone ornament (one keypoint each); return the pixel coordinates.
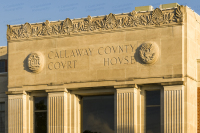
(149, 52)
(35, 62)
(133, 19)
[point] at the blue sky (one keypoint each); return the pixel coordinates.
(21, 11)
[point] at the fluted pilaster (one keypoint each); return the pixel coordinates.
(124, 109)
(173, 109)
(64, 113)
(75, 114)
(56, 115)
(17, 113)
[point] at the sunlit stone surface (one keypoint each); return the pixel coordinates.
(134, 72)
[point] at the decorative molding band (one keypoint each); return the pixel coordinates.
(100, 80)
(126, 86)
(134, 19)
(173, 83)
(57, 90)
(15, 92)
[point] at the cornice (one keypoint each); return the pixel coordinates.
(165, 78)
(109, 22)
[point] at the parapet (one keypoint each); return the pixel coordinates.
(167, 15)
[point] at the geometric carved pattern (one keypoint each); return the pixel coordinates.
(109, 22)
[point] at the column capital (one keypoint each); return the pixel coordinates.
(57, 90)
(15, 92)
(173, 83)
(173, 87)
(126, 86)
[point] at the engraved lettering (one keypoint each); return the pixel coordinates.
(113, 61)
(126, 60)
(66, 54)
(114, 49)
(74, 63)
(69, 64)
(107, 50)
(106, 61)
(61, 54)
(49, 55)
(86, 52)
(72, 54)
(126, 47)
(90, 50)
(132, 60)
(79, 52)
(121, 49)
(99, 51)
(57, 65)
(63, 64)
(50, 65)
(56, 55)
(132, 47)
(120, 60)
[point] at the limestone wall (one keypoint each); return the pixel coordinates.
(104, 57)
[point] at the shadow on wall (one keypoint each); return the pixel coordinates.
(5, 56)
(25, 64)
(137, 55)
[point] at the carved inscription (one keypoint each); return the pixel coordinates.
(62, 65)
(117, 50)
(70, 59)
(70, 54)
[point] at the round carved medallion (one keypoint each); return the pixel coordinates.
(149, 52)
(35, 62)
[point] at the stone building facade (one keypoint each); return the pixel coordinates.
(135, 57)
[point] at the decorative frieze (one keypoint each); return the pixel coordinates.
(109, 22)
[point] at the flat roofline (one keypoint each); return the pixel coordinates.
(139, 11)
(96, 24)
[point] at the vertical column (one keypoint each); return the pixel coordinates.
(63, 112)
(124, 110)
(74, 115)
(57, 103)
(173, 109)
(17, 113)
